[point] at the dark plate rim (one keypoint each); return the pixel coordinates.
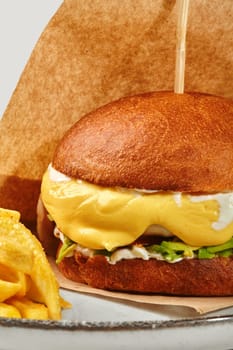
(68, 325)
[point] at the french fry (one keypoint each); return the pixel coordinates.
(25, 283)
(12, 214)
(12, 281)
(65, 304)
(25, 271)
(29, 309)
(8, 289)
(9, 311)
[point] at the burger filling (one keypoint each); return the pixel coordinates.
(171, 251)
(125, 223)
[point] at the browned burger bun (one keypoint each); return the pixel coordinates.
(141, 192)
(206, 277)
(161, 140)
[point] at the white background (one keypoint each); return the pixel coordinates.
(21, 24)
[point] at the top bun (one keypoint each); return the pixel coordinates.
(158, 141)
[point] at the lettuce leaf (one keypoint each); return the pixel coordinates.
(174, 251)
(66, 249)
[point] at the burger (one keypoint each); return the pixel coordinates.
(140, 193)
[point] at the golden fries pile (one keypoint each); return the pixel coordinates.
(28, 287)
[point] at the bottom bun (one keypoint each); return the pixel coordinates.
(193, 277)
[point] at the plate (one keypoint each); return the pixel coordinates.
(95, 322)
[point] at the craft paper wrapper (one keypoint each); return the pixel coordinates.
(96, 51)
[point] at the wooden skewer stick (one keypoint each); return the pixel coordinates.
(182, 7)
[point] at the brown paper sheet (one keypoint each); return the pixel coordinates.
(202, 305)
(93, 52)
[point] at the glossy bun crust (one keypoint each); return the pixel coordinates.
(160, 140)
(193, 277)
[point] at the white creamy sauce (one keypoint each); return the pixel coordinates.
(177, 198)
(225, 201)
(57, 233)
(146, 191)
(120, 254)
(56, 176)
(126, 253)
(134, 252)
(84, 251)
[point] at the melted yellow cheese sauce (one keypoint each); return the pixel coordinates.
(106, 218)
